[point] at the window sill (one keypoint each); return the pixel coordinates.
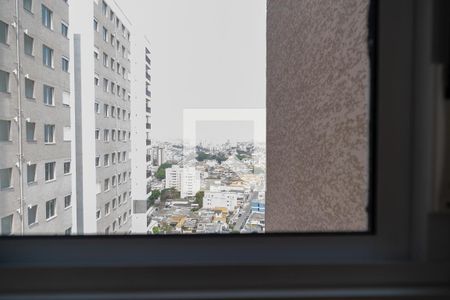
(6, 189)
(31, 183)
(49, 105)
(51, 218)
(30, 98)
(33, 224)
(50, 144)
(50, 181)
(68, 207)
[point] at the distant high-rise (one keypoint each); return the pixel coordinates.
(141, 144)
(102, 95)
(35, 130)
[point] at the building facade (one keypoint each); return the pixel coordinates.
(35, 123)
(141, 144)
(186, 180)
(102, 84)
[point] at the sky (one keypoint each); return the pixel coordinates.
(205, 54)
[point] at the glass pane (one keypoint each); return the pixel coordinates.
(173, 126)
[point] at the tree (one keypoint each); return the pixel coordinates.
(153, 196)
(199, 198)
(171, 193)
(161, 172)
(156, 230)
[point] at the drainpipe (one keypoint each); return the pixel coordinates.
(19, 119)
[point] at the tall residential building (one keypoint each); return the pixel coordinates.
(141, 150)
(102, 96)
(35, 133)
(159, 155)
(186, 180)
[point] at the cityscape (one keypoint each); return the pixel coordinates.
(212, 189)
(79, 155)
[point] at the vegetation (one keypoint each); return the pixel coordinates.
(171, 193)
(161, 173)
(199, 198)
(201, 156)
(153, 196)
(156, 230)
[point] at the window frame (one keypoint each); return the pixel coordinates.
(394, 258)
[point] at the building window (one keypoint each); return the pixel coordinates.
(29, 88)
(105, 85)
(50, 209)
(6, 225)
(66, 167)
(113, 64)
(105, 34)
(47, 17)
(99, 187)
(106, 135)
(98, 214)
(66, 98)
(32, 215)
(65, 64)
(104, 8)
(118, 113)
(4, 81)
(106, 185)
(4, 29)
(50, 171)
(113, 111)
(95, 25)
(113, 135)
(113, 88)
(49, 95)
(107, 209)
(5, 131)
(68, 231)
(113, 181)
(96, 80)
(5, 178)
(106, 110)
(31, 173)
(96, 52)
(64, 29)
(67, 201)
(113, 39)
(97, 161)
(67, 134)
(105, 60)
(97, 134)
(47, 56)
(30, 131)
(49, 134)
(97, 107)
(114, 226)
(114, 203)
(28, 43)
(28, 5)
(106, 160)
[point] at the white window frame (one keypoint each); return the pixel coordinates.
(400, 259)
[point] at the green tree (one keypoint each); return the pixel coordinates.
(171, 193)
(153, 196)
(156, 230)
(161, 172)
(199, 198)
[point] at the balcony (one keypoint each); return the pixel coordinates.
(148, 142)
(148, 125)
(148, 158)
(148, 109)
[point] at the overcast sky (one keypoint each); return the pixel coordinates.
(205, 54)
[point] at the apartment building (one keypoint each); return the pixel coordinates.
(141, 132)
(102, 94)
(35, 125)
(186, 180)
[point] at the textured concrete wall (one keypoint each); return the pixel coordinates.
(317, 115)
